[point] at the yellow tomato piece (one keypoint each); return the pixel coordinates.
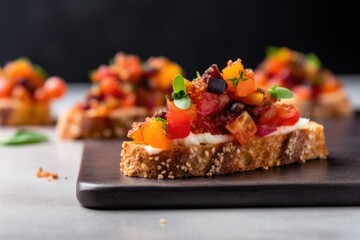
(166, 75)
(254, 98)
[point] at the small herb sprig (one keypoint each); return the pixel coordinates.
(280, 92)
(236, 80)
(181, 100)
(163, 122)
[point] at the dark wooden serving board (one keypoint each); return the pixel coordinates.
(335, 181)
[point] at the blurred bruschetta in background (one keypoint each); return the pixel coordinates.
(124, 91)
(26, 93)
(318, 93)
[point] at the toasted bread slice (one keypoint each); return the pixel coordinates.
(16, 112)
(76, 124)
(327, 105)
(299, 145)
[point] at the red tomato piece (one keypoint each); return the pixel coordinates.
(280, 115)
(179, 121)
(5, 88)
(55, 87)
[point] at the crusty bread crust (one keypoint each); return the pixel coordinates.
(15, 112)
(76, 124)
(327, 105)
(229, 157)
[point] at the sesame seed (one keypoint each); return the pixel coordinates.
(158, 167)
(163, 163)
(188, 164)
(169, 160)
(238, 151)
(163, 172)
(177, 166)
(209, 174)
(266, 168)
(206, 153)
(160, 177)
(167, 165)
(213, 150)
(156, 158)
(171, 177)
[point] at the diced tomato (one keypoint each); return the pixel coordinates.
(136, 134)
(154, 134)
(302, 91)
(179, 121)
(42, 95)
(274, 66)
(243, 128)
(245, 83)
(280, 115)
(5, 87)
(102, 72)
(21, 93)
(109, 85)
(330, 85)
(55, 87)
(211, 103)
(254, 98)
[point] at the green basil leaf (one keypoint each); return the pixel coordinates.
(182, 103)
(280, 92)
(179, 83)
(24, 136)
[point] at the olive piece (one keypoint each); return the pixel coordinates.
(237, 108)
(216, 85)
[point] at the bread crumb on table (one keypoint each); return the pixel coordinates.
(162, 221)
(40, 173)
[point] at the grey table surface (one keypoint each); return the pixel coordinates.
(32, 208)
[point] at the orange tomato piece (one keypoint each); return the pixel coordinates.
(242, 128)
(245, 78)
(154, 134)
(137, 135)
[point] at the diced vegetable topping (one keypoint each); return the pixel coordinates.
(210, 104)
(154, 134)
(238, 79)
(243, 128)
(216, 85)
(179, 121)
